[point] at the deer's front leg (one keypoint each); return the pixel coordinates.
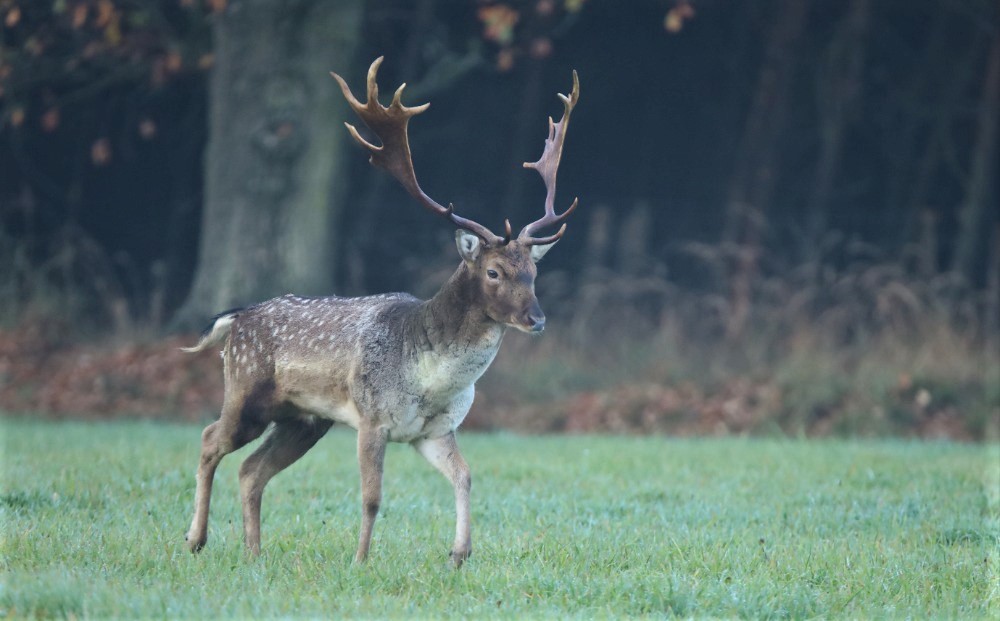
(371, 455)
(444, 455)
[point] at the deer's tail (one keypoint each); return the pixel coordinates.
(215, 331)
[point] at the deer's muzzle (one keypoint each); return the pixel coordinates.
(534, 318)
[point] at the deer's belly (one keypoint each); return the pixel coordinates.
(344, 412)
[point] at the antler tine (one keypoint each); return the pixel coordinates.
(547, 166)
(389, 124)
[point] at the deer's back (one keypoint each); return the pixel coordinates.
(311, 351)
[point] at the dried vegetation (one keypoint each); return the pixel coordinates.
(849, 346)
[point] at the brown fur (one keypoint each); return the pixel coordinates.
(391, 366)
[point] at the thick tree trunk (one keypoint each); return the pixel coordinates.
(273, 172)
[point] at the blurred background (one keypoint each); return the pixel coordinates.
(788, 219)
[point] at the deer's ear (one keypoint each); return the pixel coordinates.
(537, 252)
(468, 245)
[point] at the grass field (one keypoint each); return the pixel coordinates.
(93, 518)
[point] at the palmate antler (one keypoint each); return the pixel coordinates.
(547, 166)
(389, 124)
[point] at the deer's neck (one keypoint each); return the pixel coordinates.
(455, 319)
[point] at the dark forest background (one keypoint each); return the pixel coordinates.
(788, 213)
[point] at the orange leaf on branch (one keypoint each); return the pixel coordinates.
(505, 60)
(105, 13)
(173, 62)
(113, 32)
(50, 120)
(92, 49)
(13, 17)
(541, 47)
(498, 23)
(100, 152)
(674, 21)
(80, 12)
(147, 129)
(545, 7)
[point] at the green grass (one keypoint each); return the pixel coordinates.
(93, 518)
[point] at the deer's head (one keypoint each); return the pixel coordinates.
(501, 269)
(502, 277)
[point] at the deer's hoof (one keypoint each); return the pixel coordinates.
(458, 557)
(195, 544)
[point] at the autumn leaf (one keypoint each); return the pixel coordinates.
(505, 60)
(34, 46)
(79, 15)
(105, 13)
(50, 120)
(674, 21)
(541, 47)
(173, 62)
(113, 32)
(498, 23)
(92, 49)
(100, 152)
(147, 129)
(13, 17)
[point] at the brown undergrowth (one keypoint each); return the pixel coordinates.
(45, 374)
(858, 346)
(550, 385)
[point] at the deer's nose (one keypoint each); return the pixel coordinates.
(537, 323)
(536, 320)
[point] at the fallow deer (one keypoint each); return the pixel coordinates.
(395, 368)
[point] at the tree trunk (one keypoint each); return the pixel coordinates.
(975, 215)
(752, 183)
(840, 87)
(525, 135)
(273, 173)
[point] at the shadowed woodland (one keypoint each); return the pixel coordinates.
(787, 217)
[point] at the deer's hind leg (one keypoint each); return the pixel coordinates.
(235, 428)
(289, 440)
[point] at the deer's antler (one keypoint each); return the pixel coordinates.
(547, 166)
(389, 124)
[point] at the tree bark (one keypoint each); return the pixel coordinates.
(752, 184)
(975, 215)
(840, 87)
(274, 177)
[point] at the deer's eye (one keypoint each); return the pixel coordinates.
(492, 274)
